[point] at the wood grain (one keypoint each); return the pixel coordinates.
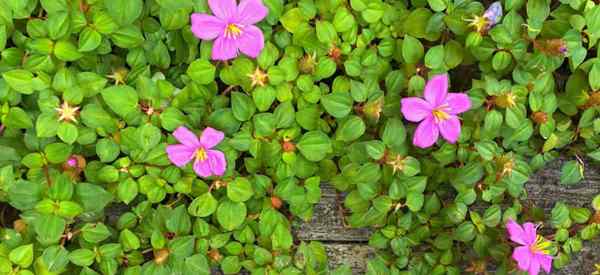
(349, 245)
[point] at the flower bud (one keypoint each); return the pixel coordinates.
(539, 117)
(161, 255)
(307, 64)
(507, 100)
(276, 202)
(288, 146)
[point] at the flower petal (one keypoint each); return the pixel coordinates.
(458, 103)
(206, 27)
(218, 163)
(186, 137)
(516, 232)
(180, 154)
(523, 257)
(251, 42)
(224, 9)
(202, 168)
(211, 137)
(450, 129)
(251, 12)
(534, 267)
(224, 49)
(436, 90)
(426, 134)
(546, 262)
(415, 109)
(530, 233)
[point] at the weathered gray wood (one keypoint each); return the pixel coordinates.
(348, 245)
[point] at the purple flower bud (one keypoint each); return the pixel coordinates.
(493, 14)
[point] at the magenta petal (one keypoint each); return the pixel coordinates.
(426, 134)
(534, 266)
(202, 168)
(450, 129)
(186, 137)
(523, 257)
(224, 9)
(206, 27)
(530, 233)
(224, 49)
(415, 109)
(217, 161)
(180, 155)
(436, 90)
(458, 103)
(251, 12)
(545, 262)
(211, 137)
(515, 232)
(251, 42)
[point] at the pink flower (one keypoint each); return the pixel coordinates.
(437, 113)
(207, 162)
(232, 26)
(533, 251)
(72, 162)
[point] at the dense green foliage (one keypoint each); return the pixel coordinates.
(91, 91)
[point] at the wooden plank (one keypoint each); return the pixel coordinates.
(327, 223)
(348, 245)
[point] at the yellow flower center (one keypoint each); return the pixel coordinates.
(67, 113)
(440, 113)
(232, 31)
(201, 154)
(259, 78)
(480, 23)
(541, 245)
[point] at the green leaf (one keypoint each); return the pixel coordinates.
(123, 100)
(231, 215)
(82, 257)
(201, 71)
(127, 190)
(124, 12)
(239, 190)
(412, 50)
(242, 106)
(414, 201)
(49, 229)
(314, 145)
(66, 51)
(107, 150)
(337, 104)
(89, 40)
(203, 206)
(571, 173)
(67, 132)
(57, 152)
(19, 80)
(55, 258)
(18, 119)
(343, 20)
(22, 255)
(350, 129)
(148, 136)
(95, 232)
(325, 32)
(282, 238)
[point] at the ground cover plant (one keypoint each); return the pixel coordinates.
(187, 136)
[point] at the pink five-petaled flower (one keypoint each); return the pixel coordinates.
(207, 162)
(533, 252)
(232, 26)
(437, 113)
